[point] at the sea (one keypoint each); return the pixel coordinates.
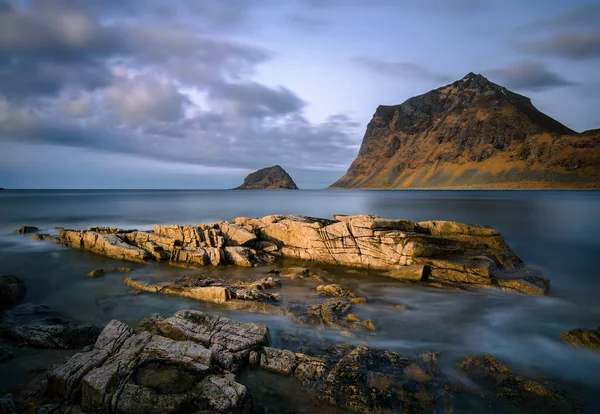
(556, 233)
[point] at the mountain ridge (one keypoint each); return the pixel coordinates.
(475, 134)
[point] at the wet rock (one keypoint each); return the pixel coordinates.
(96, 273)
(369, 380)
(7, 403)
(230, 341)
(120, 270)
(41, 327)
(334, 312)
(211, 290)
(12, 289)
(306, 368)
(401, 307)
(496, 380)
(27, 230)
(5, 354)
(110, 245)
(46, 237)
(439, 252)
(582, 338)
(129, 372)
(334, 291)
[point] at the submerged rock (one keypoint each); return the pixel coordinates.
(441, 253)
(12, 289)
(582, 338)
(210, 290)
(496, 380)
(27, 230)
(41, 327)
(96, 273)
(369, 380)
(334, 313)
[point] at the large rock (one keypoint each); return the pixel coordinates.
(333, 313)
(41, 327)
(274, 178)
(582, 338)
(307, 369)
(128, 372)
(230, 341)
(371, 380)
(442, 253)
(497, 380)
(12, 288)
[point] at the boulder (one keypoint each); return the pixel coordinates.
(334, 290)
(231, 342)
(12, 289)
(27, 230)
(96, 273)
(128, 372)
(5, 354)
(497, 380)
(110, 245)
(41, 327)
(582, 338)
(307, 369)
(370, 380)
(236, 235)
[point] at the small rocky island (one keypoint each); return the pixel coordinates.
(440, 253)
(270, 178)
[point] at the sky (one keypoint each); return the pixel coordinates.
(199, 93)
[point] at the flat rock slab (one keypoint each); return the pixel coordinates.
(41, 327)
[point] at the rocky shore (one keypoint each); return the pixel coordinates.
(440, 253)
(188, 363)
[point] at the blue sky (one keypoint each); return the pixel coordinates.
(197, 94)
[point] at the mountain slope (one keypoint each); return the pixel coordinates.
(273, 177)
(472, 134)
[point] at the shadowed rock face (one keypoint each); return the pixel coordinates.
(185, 363)
(472, 134)
(274, 178)
(441, 253)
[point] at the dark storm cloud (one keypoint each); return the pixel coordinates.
(572, 35)
(528, 76)
(401, 69)
(574, 46)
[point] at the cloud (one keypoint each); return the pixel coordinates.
(305, 22)
(528, 75)
(574, 46)
(401, 69)
(584, 16)
(146, 98)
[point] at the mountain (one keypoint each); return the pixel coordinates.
(472, 134)
(274, 177)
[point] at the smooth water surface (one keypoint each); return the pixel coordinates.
(554, 233)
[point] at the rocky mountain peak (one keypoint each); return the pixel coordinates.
(468, 134)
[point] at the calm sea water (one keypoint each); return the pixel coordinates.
(555, 233)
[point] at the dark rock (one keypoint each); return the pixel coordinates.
(496, 380)
(96, 273)
(41, 327)
(269, 178)
(7, 403)
(334, 313)
(12, 288)
(371, 380)
(128, 372)
(27, 230)
(582, 338)
(120, 270)
(5, 354)
(231, 342)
